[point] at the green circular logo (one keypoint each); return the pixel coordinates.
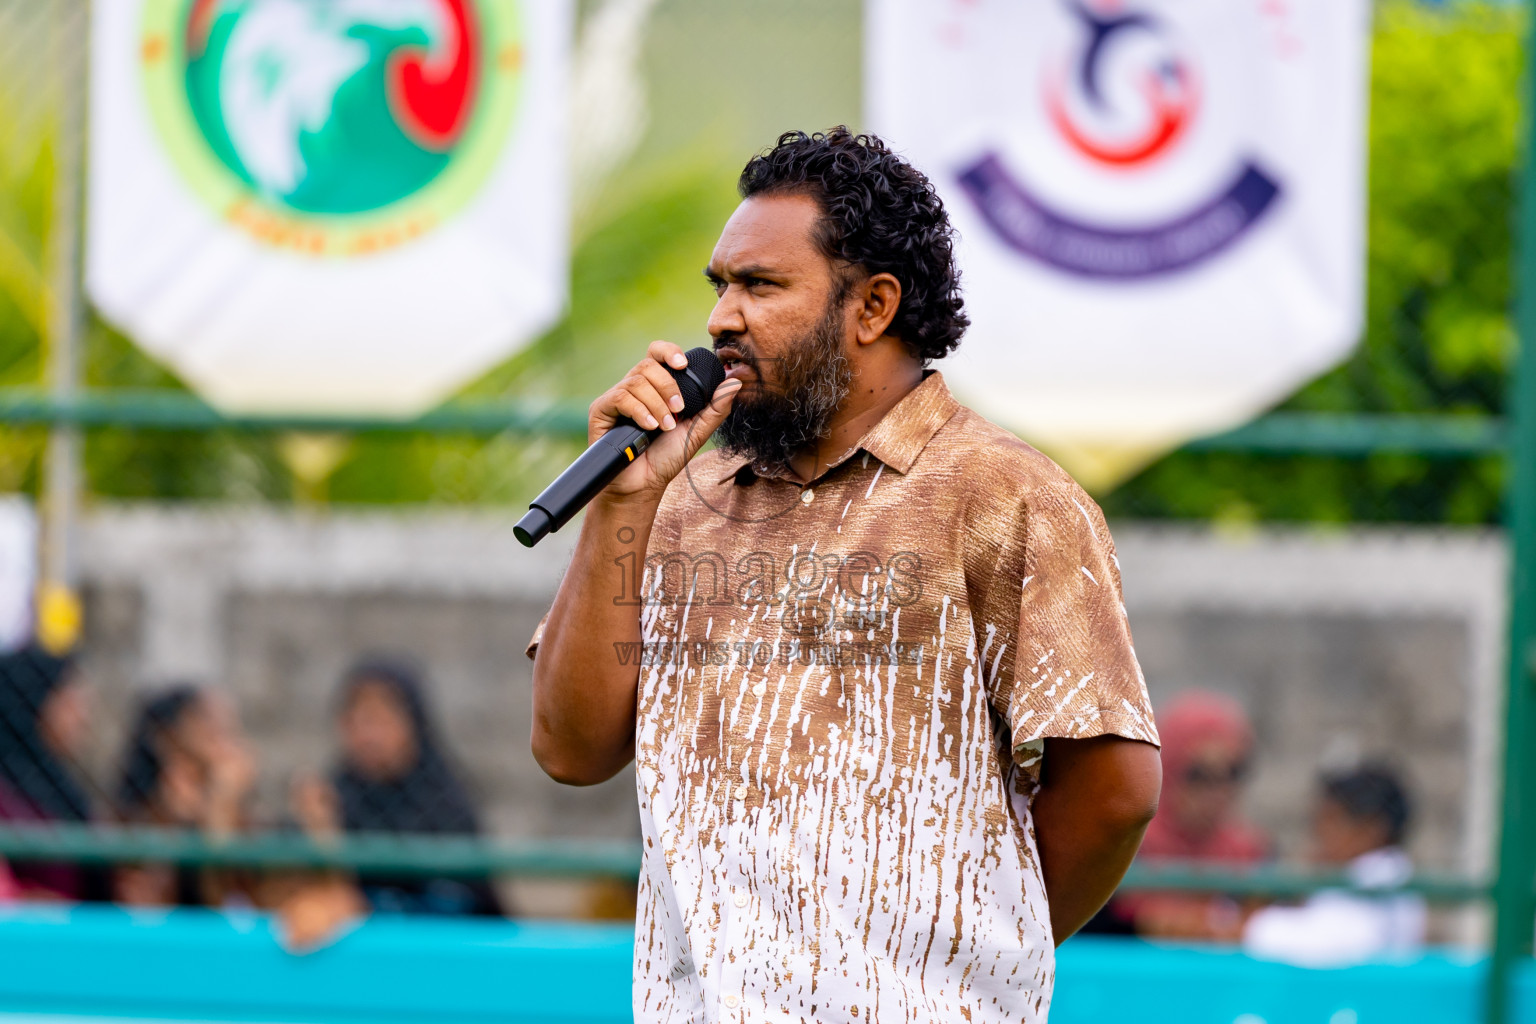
(333, 127)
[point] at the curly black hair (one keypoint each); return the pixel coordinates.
(880, 214)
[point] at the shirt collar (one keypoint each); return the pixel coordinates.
(900, 436)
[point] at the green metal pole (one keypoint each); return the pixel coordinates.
(1514, 886)
(57, 603)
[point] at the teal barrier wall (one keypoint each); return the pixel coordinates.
(196, 965)
(95, 962)
(1102, 980)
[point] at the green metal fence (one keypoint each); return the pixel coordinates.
(1514, 887)
(1343, 435)
(449, 857)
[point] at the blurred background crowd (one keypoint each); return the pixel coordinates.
(186, 763)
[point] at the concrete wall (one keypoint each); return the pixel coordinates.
(1367, 642)
(1384, 642)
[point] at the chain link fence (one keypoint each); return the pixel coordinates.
(303, 640)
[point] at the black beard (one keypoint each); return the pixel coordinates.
(768, 424)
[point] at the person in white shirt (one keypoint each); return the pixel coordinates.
(1358, 825)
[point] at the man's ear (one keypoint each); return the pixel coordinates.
(877, 298)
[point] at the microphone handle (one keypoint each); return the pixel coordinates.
(579, 484)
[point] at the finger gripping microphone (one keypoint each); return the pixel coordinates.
(609, 454)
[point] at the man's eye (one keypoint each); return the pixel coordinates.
(756, 282)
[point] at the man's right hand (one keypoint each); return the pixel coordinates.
(649, 395)
(583, 694)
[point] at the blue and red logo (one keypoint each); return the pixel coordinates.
(1123, 99)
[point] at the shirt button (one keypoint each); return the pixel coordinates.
(731, 1001)
(760, 689)
(740, 900)
(807, 495)
(741, 792)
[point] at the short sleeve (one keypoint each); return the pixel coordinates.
(1075, 671)
(538, 635)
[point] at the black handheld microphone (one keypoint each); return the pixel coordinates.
(613, 451)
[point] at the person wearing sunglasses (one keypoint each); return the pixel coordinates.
(1207, 752)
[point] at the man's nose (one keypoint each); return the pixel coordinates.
(726, 317)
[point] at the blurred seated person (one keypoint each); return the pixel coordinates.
(394, 777)
(1358, 825)
(44, 727)
(186, 766)
(1207, 747)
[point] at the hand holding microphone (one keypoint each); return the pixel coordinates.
(632, 446)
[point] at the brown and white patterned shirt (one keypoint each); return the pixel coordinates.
(844, 693)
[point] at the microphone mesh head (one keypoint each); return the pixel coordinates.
(699, 381)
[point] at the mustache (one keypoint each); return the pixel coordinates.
(745, 354)
(733, 340)
(795, 412)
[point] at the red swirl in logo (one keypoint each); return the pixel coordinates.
(1167, 86)
(431, 92)
(199, 20)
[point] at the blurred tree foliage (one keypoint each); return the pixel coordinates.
(1444, 119)
(1444, 115)
(26, 173)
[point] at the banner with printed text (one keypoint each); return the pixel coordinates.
(1161, 204)
(328, 205)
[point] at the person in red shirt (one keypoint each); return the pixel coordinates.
(45, 721)
(10, 889)
(1207, 749)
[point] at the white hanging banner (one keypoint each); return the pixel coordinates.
(18, 570)
(1161, 204)
(329, 205)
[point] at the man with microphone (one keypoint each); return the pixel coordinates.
(868, 654)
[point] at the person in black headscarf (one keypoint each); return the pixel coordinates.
(186, 766)
(44, 724)
(150, 745)
(394, 777)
